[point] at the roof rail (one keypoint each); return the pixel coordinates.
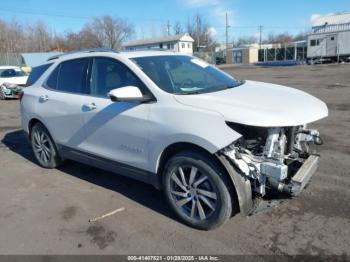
(149, 49)
(88, 50)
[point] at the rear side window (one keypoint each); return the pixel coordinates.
(70, 76)
(36, 73)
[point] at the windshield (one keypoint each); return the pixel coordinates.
(184, 74)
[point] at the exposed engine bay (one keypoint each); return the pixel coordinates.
(278, 161)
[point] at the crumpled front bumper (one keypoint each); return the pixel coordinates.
(304, 174)
(299, 181)
(11, 92)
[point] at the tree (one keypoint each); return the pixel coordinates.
(177, 28)
(245, 40)
(201, 32)
(106, 32)
(38, 38)
(282, 38)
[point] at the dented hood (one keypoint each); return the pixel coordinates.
(260, 104)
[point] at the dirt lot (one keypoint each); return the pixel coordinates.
(47, 211)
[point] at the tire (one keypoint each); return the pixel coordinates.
(203, 200)
(44, 148)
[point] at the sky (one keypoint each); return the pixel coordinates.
(150, 17)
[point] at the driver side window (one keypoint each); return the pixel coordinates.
(107, 74)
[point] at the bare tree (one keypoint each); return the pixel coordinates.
(245, 40)
(38, 38)
(177, 28)
(300, 36)
(200, 31)
(282, 38)
(107, 32)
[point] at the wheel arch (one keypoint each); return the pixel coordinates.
(178, 147)
(32, 122)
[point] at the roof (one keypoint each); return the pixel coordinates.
(35, 59)
(146, 53)
(331, 19)
(127, 55)
(164, 39)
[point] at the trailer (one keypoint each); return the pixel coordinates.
(330, 39)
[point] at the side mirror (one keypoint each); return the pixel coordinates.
(127, 94)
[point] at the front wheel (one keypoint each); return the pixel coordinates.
(197, 190)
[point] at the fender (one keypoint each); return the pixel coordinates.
(241, 184)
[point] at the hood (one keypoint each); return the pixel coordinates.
(18, 80)
(260, 104)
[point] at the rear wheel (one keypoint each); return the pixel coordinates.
(197, 190)
(43, 147)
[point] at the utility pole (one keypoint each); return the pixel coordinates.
(168, 27)
(260, 40)
(227, 27)
(260, 35)
(198, 29)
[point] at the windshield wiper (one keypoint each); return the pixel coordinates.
(189, 93)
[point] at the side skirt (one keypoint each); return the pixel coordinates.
(109, 165)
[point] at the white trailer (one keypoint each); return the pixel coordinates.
(330, 39)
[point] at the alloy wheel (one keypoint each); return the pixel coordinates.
(42, 147)
(193, 192)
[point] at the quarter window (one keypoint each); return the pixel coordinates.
(36, 73)
(108, 74)
(52, 80)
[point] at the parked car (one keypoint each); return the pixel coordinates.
(214, 144)
(12, 80)
(220, 60)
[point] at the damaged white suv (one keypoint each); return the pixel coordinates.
(214, 144)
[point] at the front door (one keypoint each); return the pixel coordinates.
(115, 130)
(237, 57)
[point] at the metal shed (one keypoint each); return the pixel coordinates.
(35, 59)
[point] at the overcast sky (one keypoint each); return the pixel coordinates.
(150, 16)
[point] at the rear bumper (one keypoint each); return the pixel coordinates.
(304, 174)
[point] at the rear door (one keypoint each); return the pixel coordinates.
(61, 102)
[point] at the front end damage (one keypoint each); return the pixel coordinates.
(8, 90)
(278, 161)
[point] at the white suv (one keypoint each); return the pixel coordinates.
(214, 144)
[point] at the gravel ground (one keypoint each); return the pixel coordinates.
(47, 211)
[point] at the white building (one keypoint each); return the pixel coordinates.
(330, 38)
(182, 43)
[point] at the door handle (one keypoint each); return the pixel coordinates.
(44, 98)
(90, 106)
